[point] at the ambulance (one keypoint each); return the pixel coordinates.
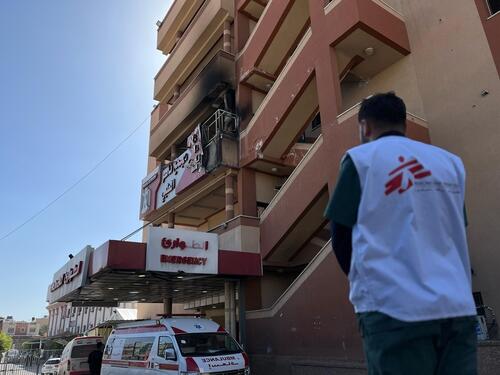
(74, 358)
(176, 345)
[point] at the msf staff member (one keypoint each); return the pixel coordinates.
(398, 232)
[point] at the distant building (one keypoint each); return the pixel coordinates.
(38, 326)
(8, 326)
(34, 328)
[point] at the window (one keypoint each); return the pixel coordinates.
(494, 6)
(83, 351)
(137, 348)
(207, 344)
(86, 310)
(164, 343)
(92, 309)
(316, 122)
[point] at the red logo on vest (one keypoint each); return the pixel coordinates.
(404, 175)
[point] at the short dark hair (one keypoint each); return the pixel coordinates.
(99, 345)
(384, 110)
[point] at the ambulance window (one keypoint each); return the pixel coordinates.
(164, 343)
(137, 348)
(109, 348)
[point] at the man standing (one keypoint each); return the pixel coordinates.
(95, 360)
(398, 232)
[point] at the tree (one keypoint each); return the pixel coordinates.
(5, 342)
(43, 330)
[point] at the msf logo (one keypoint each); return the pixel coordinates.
(404, 175)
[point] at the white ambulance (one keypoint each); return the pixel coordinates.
(177, 345)
(74, 358)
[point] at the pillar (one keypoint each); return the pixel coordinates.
(230, 308)
(242, 317)
(167, 306)
(229, 195)
(171, 220)
(247, 192)
(227, 36)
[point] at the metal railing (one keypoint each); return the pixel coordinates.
(26, 362)
(220, 121)
(218, 132)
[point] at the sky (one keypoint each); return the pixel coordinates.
(76, 78)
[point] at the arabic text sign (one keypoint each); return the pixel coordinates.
(183, 171)
(70, 277)
(173, 250)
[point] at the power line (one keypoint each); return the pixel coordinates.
(80, 180)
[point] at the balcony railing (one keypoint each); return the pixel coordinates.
(220, 139)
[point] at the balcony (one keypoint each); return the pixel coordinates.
(175, 23)
(192, 107)
(294, 218)
(253, 9)
(272, 42)
(370, 36)
(198, 39)
(287, 109)
(176, 187)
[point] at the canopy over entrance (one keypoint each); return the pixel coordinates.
(120, 271)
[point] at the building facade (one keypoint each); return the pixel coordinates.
(35, 328)
(263, 95)
(67, 320)
(8, 325)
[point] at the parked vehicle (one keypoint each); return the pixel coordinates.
(74, 358)
(12, 355)
(173, 346)
(51, 367)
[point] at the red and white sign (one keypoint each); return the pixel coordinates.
(70, 277)
(174, 250)
(67, 277)
(181, 172)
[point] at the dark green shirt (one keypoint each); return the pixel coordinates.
(344, 202)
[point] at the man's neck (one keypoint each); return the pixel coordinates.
(388, 133)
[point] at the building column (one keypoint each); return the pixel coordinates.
(229, 195)
(227, 36)
(230, 308)
(167, 306)
(171, 220)
(242, 315)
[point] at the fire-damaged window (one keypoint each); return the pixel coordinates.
(494, 6)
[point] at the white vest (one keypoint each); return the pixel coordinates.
(410, 258)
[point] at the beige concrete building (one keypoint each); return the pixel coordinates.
(293, 74)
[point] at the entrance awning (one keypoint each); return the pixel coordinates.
(117, 272)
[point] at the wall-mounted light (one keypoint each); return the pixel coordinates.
(369, 51)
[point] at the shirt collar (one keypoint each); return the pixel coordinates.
(391, 132)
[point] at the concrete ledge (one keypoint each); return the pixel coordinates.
(488, 359)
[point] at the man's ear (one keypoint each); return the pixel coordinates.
(366, 129)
